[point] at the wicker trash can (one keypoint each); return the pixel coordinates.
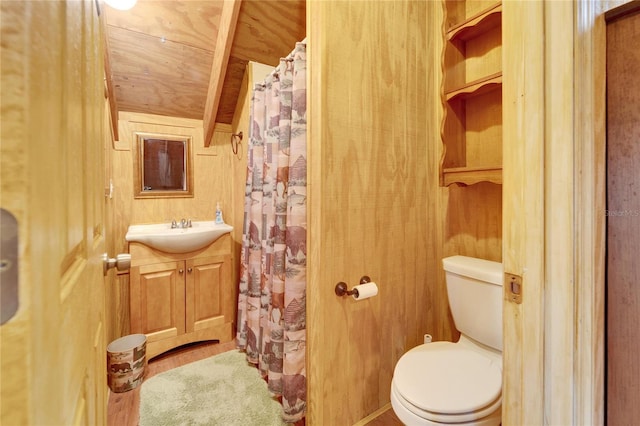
(126, 362)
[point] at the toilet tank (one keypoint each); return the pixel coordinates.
(474, 287)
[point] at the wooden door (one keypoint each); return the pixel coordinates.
(53, 351)
(623, 218)
(158, 300)
(208, 295)
(523, 211)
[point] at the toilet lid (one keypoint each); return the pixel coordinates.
(443, 378)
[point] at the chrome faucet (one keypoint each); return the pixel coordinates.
(184, 223)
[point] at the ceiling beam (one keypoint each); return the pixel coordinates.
(224, 41)
(111, 94)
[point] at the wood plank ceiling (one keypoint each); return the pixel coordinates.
(159, 54)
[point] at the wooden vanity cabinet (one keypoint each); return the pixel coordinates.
(472, 92)
(182, 298)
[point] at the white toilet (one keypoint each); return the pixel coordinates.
(458, 383)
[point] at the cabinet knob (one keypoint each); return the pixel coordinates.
(190, 270)
(181, 271)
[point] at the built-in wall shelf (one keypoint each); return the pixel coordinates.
(476, 24)
(472, 92)
(472, 175)
(477, 87)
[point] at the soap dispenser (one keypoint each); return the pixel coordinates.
(219, 219)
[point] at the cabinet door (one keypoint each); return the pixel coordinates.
(209, 292)
(157, 300)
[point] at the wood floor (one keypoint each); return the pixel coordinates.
(388, 418)
(123, 408)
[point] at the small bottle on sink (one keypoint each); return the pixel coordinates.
(219, 219)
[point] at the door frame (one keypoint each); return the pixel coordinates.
(590, 208)
(554, 341)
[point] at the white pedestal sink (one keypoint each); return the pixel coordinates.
(161, 236)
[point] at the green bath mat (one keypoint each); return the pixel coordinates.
(221, 390)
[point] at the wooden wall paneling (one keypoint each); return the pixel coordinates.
(523, 210)
(473, 221)
(187, 67)
(483, 130)
(110, 90)
(267, 31)
(453, 133)
(438, 317)
(112, 315)
(365, 132)
(122, 198)
(483, 54)
(181, 36)
(316, 132)
(225, 191)
(199, 32)
(208, 168)
(120, 308)
(231, 94)
(623, 217)
(211, 170)
(195, 27)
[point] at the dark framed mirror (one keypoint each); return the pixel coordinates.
(162, 166)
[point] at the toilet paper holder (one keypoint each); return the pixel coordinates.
(342, 289)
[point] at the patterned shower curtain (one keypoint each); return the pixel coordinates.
(271, 302)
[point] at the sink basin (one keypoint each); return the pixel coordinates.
(162, 237)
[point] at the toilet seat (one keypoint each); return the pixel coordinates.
(448, 383)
